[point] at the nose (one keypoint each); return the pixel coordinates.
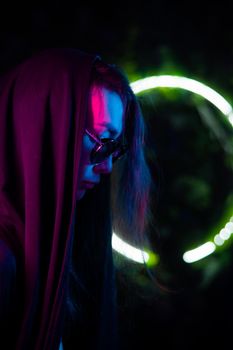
(104, 167)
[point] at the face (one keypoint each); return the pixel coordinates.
(105, 119)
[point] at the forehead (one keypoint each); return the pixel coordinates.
(105, 112)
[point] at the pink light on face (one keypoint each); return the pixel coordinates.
(106, 111)
(105, 119)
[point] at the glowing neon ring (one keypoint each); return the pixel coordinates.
(171, 81)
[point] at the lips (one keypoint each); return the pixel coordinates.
(89, 184)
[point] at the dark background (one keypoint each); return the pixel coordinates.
(191, 170)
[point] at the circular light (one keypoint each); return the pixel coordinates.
(171, 81)
(196, 87)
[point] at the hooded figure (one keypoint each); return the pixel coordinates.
(43, 229)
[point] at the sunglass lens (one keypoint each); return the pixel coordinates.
(104, 152)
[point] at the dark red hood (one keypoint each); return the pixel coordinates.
(43, 105)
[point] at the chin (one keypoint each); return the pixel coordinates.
(80, 194)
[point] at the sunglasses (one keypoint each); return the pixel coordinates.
(105, 147)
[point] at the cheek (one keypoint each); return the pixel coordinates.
(84, 160)
(85, 173)
(85, 168)
(82, 167)
(86, 150)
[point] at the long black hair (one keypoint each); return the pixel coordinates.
(121, 203)
(131, 179)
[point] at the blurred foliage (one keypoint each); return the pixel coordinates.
(189, 152)
(189, 159)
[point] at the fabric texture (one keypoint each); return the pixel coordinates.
(43, 104)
